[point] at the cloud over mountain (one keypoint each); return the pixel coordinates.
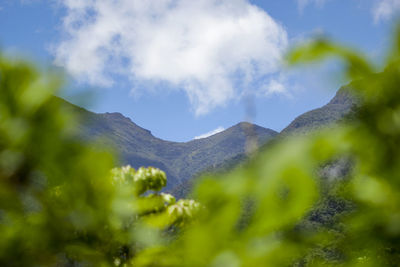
(211, 49)
(215, 131)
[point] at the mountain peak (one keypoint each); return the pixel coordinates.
(116, 116)
(337, 108)
(244, 124)
(248, 126)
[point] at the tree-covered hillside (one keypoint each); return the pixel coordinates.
(338, 108)
(181, 161)
(340, 105)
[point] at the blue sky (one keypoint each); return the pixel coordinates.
(183, 68)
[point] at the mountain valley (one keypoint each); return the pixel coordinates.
(184, 160)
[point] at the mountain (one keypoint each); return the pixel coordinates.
(337, 109)
(340, 105)
(184, 160)
(180, 160)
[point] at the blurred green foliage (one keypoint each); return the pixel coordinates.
(61, 206)
(264, 213)
(54, 192)
(59, 203)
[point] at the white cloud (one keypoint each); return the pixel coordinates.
(211, 49)
(218, 130)
(275, 86)
(303, 3)
(385, 9)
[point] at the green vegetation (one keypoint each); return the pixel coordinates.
(60, 204)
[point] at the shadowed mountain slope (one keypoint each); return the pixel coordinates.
(340, 105)
(181, 161)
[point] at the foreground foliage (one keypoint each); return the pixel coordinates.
(60, 205)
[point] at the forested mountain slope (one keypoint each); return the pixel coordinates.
(181, 161)
(340, 105)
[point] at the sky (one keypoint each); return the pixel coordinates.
(186, 69)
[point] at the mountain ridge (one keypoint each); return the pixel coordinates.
(180, 160)
(335, 110)
(339, 106)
